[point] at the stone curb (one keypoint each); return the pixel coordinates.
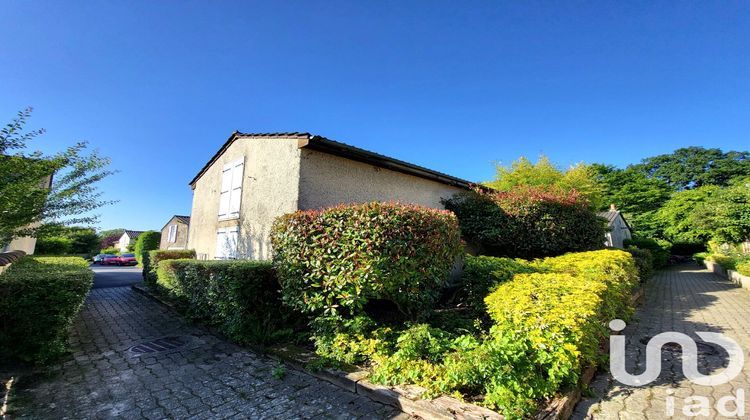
(731, 275)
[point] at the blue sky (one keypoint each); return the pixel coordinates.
(454, 86)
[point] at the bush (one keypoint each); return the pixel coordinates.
(547, 326)
(151, 261)
(687, 248)
(743, 267)
(39, 298)
(240, 298)
(700, 257)
(527, 222)
(727, 262)
(333, 261)
(660, 249)
(111, 250)
(644, 261)
(482, 274)
(56, 245)
(147, 241)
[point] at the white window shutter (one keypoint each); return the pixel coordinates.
(236, 194)
(226, 189)
(221, 239)
(232, 237)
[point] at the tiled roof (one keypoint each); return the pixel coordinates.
(132, 234)
(611, 215)
(183, 219)
(322, 144)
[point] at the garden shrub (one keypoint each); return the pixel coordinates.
(482, 274)
(146, 241)
(547, 326)
(110, 250)
(660, 249)
(743, 267)
(240, 298)
(687, 248)
(333, 261)
(39, 298)
(151, 261)
(56, 245)
(527, 222)
(726, 261)
(700, 257)
(644, 261)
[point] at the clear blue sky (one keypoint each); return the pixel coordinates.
(454, 86)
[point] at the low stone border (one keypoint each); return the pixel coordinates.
(731, 275)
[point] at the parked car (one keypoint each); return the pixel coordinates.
(99, 258)
(110, 259)
(127, 259)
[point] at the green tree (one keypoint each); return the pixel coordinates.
(692, 167)
(729, 214)
(634, 193)
(685, 216)
(24, 198)
(545, 175)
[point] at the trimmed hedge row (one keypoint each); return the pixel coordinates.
(151, 261)
(482, 274)
(335, 260)
(527, 222)
(240, 298)
(659, 248)
(39, 298)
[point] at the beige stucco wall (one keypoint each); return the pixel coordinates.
(25, 244)
(181, 239)
(327, 180)
(269, 189)
(123, 243)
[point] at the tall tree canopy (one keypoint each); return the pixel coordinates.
(24, 198)
(546, 176)
(692, 167)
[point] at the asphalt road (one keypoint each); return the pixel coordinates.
(115, 276)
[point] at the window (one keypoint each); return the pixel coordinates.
(172, 234)
(226, 243)
(231, 189)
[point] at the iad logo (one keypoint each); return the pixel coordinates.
(695, 405)
(689, 357)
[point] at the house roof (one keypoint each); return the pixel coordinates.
(322, 144)
(132, 234)
(611, 215)
(182, 219)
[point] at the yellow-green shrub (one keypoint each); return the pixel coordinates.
(744, 267)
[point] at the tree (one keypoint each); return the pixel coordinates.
(693, 167)
(685, 216)
(635, 194)
(546, 176)
(80, 240)
(729, 214)
(25, 200)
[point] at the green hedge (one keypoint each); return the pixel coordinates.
(743, 267)
(547, 327)
(527, 222)
(660, 249)
(644, 261)
(151, 261)
(333, 261)
(39, 298)
(700, 257)
(240, 298)
(146, 241)
(482, 274)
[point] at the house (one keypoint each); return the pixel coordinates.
(619, 229)
(128, 237)
(255, 178)
(174, 235)
(27, 244)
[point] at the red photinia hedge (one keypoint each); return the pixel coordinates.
(527, 222)
(335, 259)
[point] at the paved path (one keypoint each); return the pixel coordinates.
(686, 299)
(114, 276)
(202, 377)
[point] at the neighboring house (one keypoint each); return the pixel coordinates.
(255, 178)
(128, 237)
(174, 235)
(26, 244)
(619, 229)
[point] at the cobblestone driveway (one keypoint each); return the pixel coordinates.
(685, 300)
(204, 377)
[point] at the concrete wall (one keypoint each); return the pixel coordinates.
(269, 189)
(327, 180)
(181, 239)
(123, 243)
(25, 244)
